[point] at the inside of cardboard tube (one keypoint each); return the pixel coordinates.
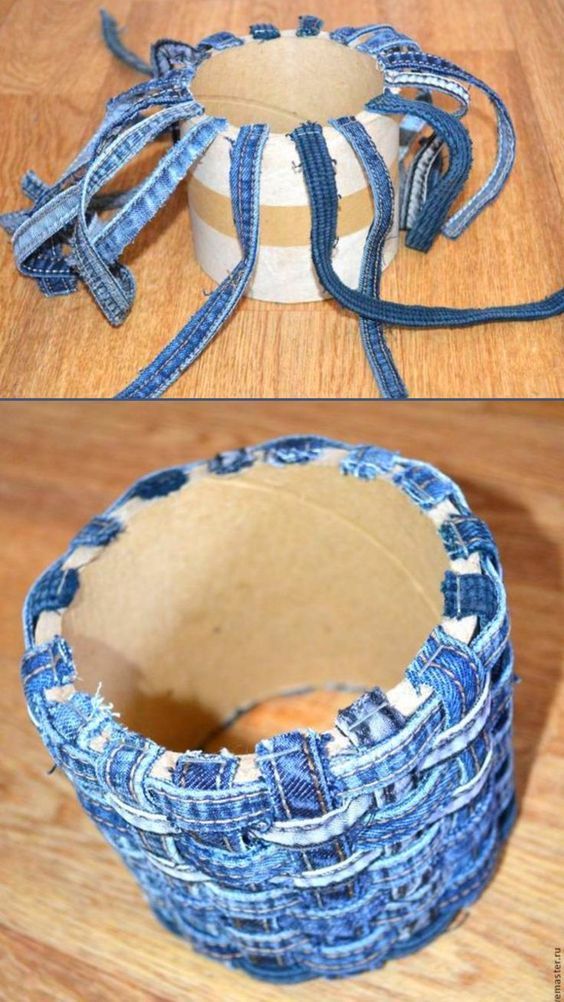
(286, 81)
(238, 587)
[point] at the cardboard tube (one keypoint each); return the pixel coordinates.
(269, 579)
(284, 82)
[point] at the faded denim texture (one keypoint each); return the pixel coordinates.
(62, 238)
(330, 861)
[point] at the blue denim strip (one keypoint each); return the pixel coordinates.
(427, 224)
(463, 217)
(43, 233)
(464, 535)
(100, 531)
(295, 769)
(124, 109)
(428, 83)
(453, 671)
(167, 54)
(111, 36)
(468, 595)
(264, 32)
(369, 719)
(112, 287)
(367, 462)
(372, 334)
(424, 173)
(425, 486)
(308, 25)
(246, 159)
(220, 40)
(320, 180)
(382, 37)
(150, 196)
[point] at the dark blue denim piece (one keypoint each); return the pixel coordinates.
(468, 595)
(264, 32)
(424, 173)
(230, 462)
(308, 24)
(327, 860)
(55, 590)
(158, 485)
(320, 180)
(99, 532)
(467, 535)
(426, 225)
(301, 449)
(66, 217)
(111, 36)
(425, 486)
(374, 342)
(168, 55)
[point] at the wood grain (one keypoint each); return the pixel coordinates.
(73, 926)
(54, 79)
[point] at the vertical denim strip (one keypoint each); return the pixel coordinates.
(432, 213)
(374, 342)
(111, 36)
(246, 160)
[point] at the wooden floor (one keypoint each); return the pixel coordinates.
(55, 77)
(73, 925)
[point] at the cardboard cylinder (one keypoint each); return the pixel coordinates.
(284, 82)
(205, 587)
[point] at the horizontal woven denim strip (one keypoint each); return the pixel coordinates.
(63, 238)
(332, 852)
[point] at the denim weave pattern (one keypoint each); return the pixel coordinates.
(63, 239)
(339, 850)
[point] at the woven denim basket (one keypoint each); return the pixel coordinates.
(350, 173)
(300, 562)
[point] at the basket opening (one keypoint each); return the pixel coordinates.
(236, 587)
(286, 81)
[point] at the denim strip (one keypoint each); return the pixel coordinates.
(468, 595)
(329, 860)
(308, 25)
(382, 36)
(505, 157)
(427, 223)
(320, 180)
(427, 83)
(112, 289)
(372, 334)
(299, 789)
(111, 36)
(246, 162)
(264, 32)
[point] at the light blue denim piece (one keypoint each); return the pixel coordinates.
(62, 238)
(327, 863)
